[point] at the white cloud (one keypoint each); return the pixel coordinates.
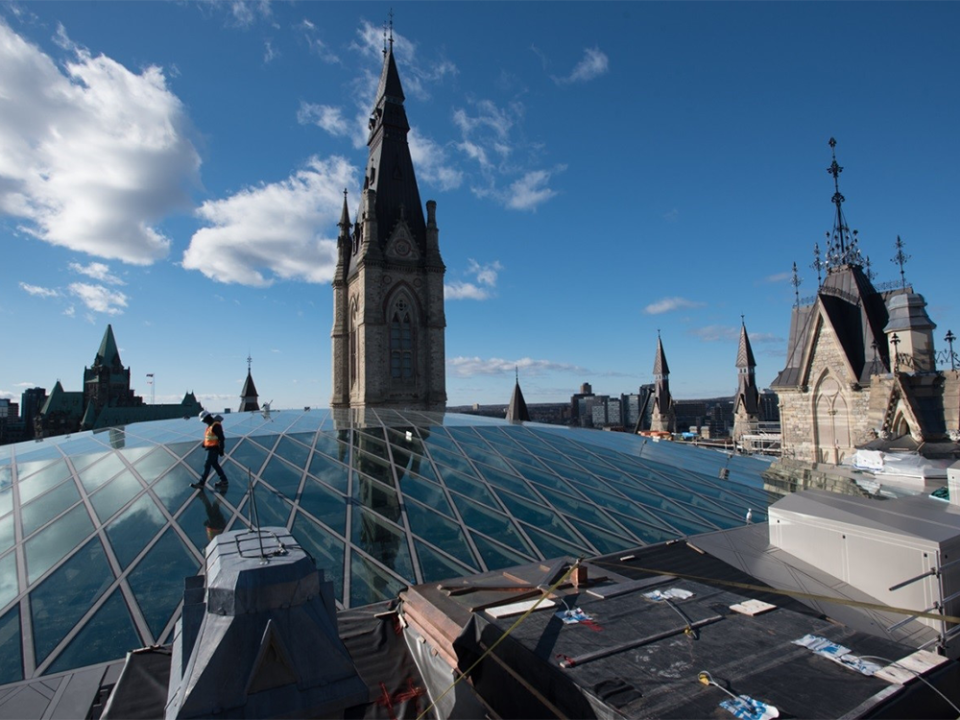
(99, 298)
(97, 271)
(471, 366)
(316, 45)
(670, 304)
(482, 289)
(593, 64)
(430, 161)
(270, 53)
(418, 75)
(530, 191)
(272, 231)
(671, 215)
(38, 291)
(716, 333)
(93, 157)
(324, 116)
(246, 12)
(778, 278)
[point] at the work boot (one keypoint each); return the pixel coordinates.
(198, 485)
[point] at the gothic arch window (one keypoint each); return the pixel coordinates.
(402, 351)
(831, 421)
(354, 317)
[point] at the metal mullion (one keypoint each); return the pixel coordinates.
(411, 546)
(27, 654)
(348, 526)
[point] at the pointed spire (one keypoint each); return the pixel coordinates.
(344, 216)
(745, 359)
(249, 396)
(660, 368)
(108, 353)
(842, 247)
(517, 410)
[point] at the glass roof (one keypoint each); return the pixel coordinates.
(98, 529)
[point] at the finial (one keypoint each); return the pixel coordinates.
(796, 281)
(516, 372)
(742, 322)
(249, 361)
(870, 273)
(818, 263)
(901, 259)
(391, 29)
(841, 247)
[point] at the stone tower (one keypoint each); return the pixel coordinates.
(663, 418)
(860, 361)
(746, 408)
(107, 382)
(388, 326)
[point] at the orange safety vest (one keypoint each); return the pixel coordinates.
(210, 438)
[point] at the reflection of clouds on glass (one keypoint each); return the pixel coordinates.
(6, 492)
(47, 547)
(8, 579)
(98, 473)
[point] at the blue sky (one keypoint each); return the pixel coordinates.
(601, 171)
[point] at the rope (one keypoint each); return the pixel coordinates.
(879, 607)
(500, 639)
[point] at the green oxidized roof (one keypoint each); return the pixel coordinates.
(108, 353)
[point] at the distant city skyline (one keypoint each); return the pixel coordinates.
(610, 170)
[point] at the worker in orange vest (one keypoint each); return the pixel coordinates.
(213, 443)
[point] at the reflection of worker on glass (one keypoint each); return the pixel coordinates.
(215, 522)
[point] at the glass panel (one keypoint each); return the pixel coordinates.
(437, 566)
(426, 492)
(44, 509)
(470, 487)
(604, 542)
(133, 454)
(377, 497)
(481, 518)
(154, 465)
(202, 517)
(156, 581)
(175, 488)
(282, 477)
(6, 533)
(46, 548)
(272, 510)
(553, 547)
(63, 598)
(11, 659)
(489, 457)
(332, 473)
(26, 469)
(182, 448)
(114, 495)
(9, 587)
(329, 446)
(502, 479)
(293, 452)
(369, 583)
(105, 636)
(544, 478)
(6, 490)
(537, 515)
(440, 531)
(497, 556)
(649, 534)
(98, 473)
(382, 541)
(326, 550)
(50, 452)
(247, 455)
(575, 507)
(42, 481)
(134, 528)
(325, 505)
(453, 460)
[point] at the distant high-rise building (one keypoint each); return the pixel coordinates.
(389, 323)
(581, 415)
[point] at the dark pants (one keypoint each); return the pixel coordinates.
(213, 461)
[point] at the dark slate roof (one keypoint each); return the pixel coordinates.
(249, 389)
(745, 352)
(390, 168)
(517, 411)
(856, 312)
(660, 362)
(108, 353)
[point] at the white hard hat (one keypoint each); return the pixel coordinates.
(204, 414)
